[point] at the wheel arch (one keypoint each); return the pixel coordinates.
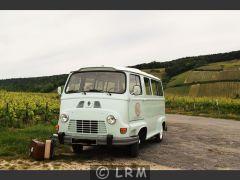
(164, 125)
(142, 133)
(161, 123)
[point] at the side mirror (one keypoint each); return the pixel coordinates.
(59, 90)
(136, 90)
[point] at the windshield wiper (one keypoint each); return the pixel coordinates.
(76, 91)
(97, 90)
(94, 90)
(108, 93)
(72, 91)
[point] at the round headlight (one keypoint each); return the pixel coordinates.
(64, 118)
(111, 119)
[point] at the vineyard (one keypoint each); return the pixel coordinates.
(205, 106)
(214, 89)
(21, 109)
(220, 79)
(205, 76)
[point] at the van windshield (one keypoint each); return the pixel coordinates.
(97, 81)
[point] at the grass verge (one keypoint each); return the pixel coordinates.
(15, 142)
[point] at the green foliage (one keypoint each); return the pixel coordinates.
(19, 109)
(35, 84)
(54, 122)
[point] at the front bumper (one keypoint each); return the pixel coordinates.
(98, 140)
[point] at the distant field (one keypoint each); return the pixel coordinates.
(206, 76)
(178, 80)
(160, 73)
(220, 79)
(214, 89)
(180, 90)
(218, 89)
(227, 65)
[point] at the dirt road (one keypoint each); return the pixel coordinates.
(197, 143)
(190, 143)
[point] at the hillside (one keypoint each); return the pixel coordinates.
(178, 66)
(185, 76)
(160, 73)
(34, 84)
(215, 80)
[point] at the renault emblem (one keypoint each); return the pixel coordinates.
(89, 103)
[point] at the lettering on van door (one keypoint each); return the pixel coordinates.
(137, 109)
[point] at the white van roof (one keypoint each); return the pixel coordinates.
(113, 68)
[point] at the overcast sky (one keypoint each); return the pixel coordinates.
(40, 43)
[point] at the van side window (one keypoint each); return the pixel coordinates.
(134, 81)
(154, 87)
(157, 88)
(160, 89)
(147, 86)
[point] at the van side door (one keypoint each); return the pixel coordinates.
(149, 107)
(135, 104)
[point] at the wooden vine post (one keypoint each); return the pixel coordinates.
(46, 112)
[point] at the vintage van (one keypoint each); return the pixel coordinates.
(111, 106)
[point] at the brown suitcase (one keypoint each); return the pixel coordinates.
(37, 149)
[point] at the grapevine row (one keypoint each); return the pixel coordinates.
(20, 109)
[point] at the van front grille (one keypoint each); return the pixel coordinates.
(87, 127)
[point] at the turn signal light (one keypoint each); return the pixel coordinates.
(57, 128)
(123, 130)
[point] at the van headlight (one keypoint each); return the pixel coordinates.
(64, 118)
(111, 119)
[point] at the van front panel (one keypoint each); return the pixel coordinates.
(85, 118)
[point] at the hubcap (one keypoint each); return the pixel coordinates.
(161, 134)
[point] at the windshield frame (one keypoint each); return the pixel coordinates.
(76, 72)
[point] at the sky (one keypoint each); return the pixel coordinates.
(42, 43)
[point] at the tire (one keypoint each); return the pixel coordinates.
(142, 136)
(134, 149)
(159, 136)
(77, 148)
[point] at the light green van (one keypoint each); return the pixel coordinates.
(111, 106)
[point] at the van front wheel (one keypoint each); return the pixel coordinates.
(134, 149)
(77, 148)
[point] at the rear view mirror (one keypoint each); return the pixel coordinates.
(136, 90)
(59, 90)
